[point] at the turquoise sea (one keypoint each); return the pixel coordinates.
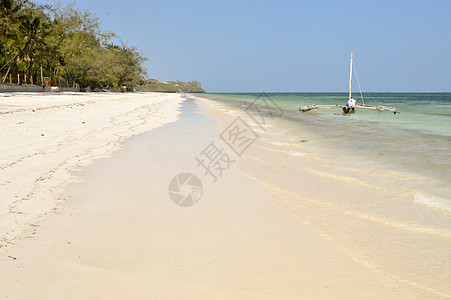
(415, 142)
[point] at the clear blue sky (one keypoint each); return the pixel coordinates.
(242, 46)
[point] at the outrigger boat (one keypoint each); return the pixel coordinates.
(351, 105)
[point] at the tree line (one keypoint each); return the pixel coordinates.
(65, 44)
(153, 85)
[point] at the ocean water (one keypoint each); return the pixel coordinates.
(375, 184)
(416, 141)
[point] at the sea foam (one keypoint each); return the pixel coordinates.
(432, 202)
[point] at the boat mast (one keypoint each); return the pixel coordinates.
(345, 108)
(350, 78)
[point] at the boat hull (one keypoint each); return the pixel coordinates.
(348, 110)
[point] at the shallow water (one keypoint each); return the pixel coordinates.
(375, 184)
(417, 141)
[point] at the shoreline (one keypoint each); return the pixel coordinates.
(118, 235)
(353, 206)
(366, 145)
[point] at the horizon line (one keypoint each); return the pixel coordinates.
(342, 92)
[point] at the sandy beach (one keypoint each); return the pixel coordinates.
(85, 211)
(45, 137)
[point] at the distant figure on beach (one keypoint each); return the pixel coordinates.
(351, 103)
(43, 86)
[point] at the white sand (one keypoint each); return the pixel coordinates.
(46, 136)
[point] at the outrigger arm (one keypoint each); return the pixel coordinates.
(379, 107)
(350, 109)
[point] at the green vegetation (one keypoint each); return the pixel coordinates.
(153, 85)
(67, 44)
